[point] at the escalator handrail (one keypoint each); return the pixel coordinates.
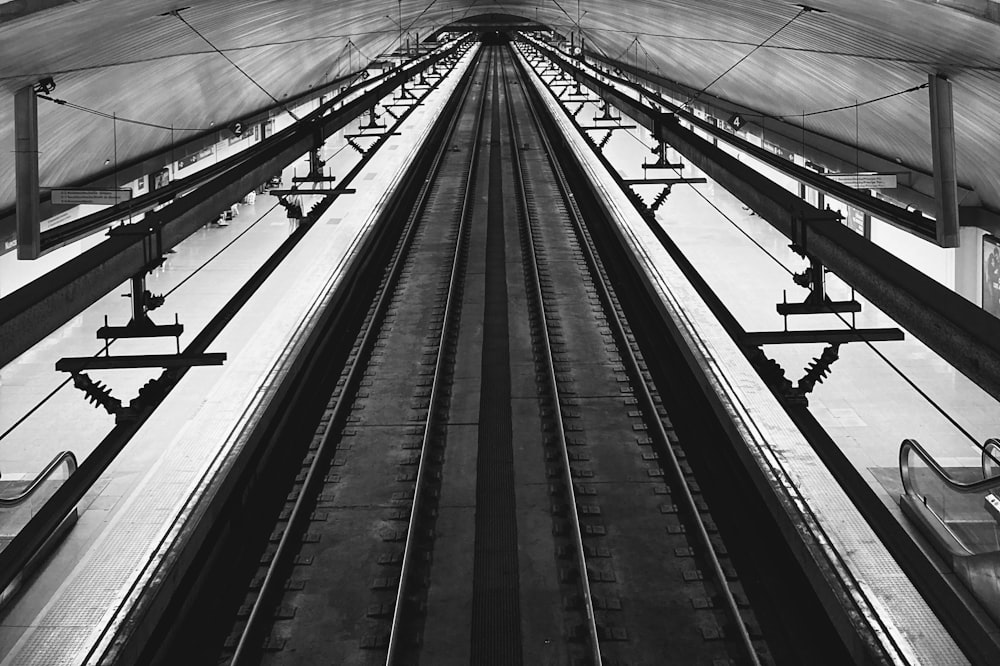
(909, 445)
(991, 454)
(64, 456)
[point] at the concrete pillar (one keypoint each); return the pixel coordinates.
(943, 145)
(969, 264)
(26, 172)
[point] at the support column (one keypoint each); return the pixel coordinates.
(969, 264)
(26, 172)
(943, 145)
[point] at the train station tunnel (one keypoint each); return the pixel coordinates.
(465, 332)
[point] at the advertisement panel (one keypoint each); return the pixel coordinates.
(991, 275)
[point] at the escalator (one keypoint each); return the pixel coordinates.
(958, 509)
(20, 499)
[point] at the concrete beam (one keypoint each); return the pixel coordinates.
(957, 330)
(32, 312)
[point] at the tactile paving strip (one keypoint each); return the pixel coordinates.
(897, 614)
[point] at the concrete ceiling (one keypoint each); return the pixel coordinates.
(124, 57)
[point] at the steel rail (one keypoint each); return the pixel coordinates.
(300, 510)
(418, 492)
(643, 392)
(65, 456)
(32, 536)
(532, 262)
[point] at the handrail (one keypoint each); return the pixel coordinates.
(991, 458)
(909, 445)
(64, 456)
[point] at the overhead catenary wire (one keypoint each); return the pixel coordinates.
(110, 342)
(799, 49)
(182, 54)
(895, 368)
(104, 348)
(24, 417)
(121, 119)
(745, 56)
(802, 115)
(856, 103)
(923, 394)
(144, 123)
(242, 71)
(958, 66)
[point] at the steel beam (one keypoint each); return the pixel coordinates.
(914, 222)
(32, 312)
(70, 231)
(26, 172)
(828, 335)
(960, 332)
(80, 363)
(943, 150)
(914, 187)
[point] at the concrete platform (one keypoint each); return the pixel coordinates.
(840, 548)
(135, 515)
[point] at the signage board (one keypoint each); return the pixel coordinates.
(991, 275)
(865, 181)
(66, 196)
(188, 160)
(855, 220)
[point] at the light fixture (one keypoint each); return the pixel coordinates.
(45, 85)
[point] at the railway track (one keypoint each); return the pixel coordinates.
(495, 479)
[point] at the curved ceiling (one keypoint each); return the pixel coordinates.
(129, 59)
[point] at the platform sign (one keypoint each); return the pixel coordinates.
(865, 181)
(991, 275)
(71, 196)
(855, 220)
